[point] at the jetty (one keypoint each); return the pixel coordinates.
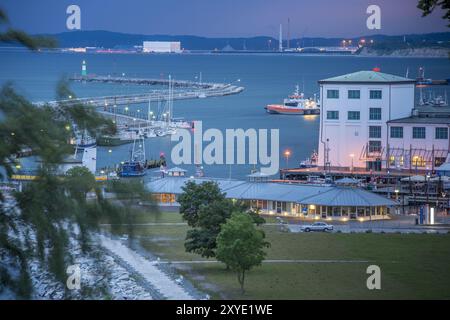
(191, 90)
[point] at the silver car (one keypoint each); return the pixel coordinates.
(317, 226)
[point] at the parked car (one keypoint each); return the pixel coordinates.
(317, 226)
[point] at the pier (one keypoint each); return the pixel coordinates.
(195, 90)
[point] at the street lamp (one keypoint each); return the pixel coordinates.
(287, 154)
(352, 156)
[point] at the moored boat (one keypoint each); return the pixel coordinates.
(296, 104)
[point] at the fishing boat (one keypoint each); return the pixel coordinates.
(296, 104)
(137, 165)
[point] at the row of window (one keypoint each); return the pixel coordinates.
(374, 114)
(355, 94)
(420, 133)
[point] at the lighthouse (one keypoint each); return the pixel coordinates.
(83, 69)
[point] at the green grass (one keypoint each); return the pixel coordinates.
(413, 266)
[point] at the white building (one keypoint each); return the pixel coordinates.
(162, 46)
(420, 141)
(355, 110)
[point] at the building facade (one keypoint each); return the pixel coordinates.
(162, 46)
(421, 141)
(326, 202)
(355, 110)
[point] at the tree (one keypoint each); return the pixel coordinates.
(206, 209)
(240, 245)
(195, 196)
(428, 6)
(79, 181)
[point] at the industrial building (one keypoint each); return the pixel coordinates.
(161, 46)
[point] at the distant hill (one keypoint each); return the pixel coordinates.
(116, 40)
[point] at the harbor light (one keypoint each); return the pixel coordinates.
(287, 154)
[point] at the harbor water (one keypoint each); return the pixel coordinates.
(267, 79)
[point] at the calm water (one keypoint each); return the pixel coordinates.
(266, 78)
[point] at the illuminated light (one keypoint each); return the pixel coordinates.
(431, 215)
(67, 127)
(376, 69)
(361, 219)
(13, 134)
(344, 219)
(126, 108)
(312, 207)
(18, 166)
(109, 150)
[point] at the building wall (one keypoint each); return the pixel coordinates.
(348, 138)
(419, 146)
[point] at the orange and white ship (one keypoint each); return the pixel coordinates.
(296, 104)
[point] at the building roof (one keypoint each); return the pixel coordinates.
(367, 77)
(423, 120)
(347, 196)
(326, 195)
(176, 169)
(444, 167)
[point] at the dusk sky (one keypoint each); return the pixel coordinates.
(225, 18)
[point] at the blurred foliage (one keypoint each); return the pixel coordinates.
(428, 6)
(17, 36)
(42, 221)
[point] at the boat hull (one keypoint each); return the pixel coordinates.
(279, 109)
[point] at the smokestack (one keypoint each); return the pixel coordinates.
(289, 34)
(280, 41)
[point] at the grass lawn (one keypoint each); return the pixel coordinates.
(413, 266)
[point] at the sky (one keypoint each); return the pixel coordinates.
(225, 18)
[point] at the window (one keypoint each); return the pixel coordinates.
(333, 115)
(333, 94)
(418, 161)
(353, 115)
(354, 94)
(392, 161)
(374, 146)
(375, 114)
(397, 132)
(375, 132)
(438, 161)
(442, 133)
(418, 132)
(375, 94)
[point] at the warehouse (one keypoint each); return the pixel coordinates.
(162, 46)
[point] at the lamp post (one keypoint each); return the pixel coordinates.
(287, 154)
(352, 156)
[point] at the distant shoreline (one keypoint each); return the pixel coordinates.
(424, 53)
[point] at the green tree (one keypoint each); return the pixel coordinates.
(428, 6)
(240, 245)
(79, 181)
(206, 209)
(195, 196)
